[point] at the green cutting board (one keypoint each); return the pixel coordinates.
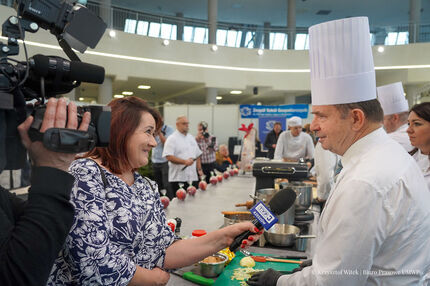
(225, 277)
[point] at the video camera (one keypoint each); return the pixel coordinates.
(206, 134)
(41, 77)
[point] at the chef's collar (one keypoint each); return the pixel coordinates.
(353, 154)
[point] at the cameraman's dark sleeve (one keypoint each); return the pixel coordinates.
(32, 233)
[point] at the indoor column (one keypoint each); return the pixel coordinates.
(211, 94)
(212, 19)
(291, 23)
(414, 20)
(105, 91)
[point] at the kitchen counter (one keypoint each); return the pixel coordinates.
(203, 211)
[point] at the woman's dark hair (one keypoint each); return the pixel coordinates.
(126, 116)
(423, 111)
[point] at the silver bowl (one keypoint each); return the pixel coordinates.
(210, 270)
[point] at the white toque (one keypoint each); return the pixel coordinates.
(341, 62)
(392, 98)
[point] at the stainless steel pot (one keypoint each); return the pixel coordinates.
(303, 192)
(237, 217)
(284, 235)
(265, 195)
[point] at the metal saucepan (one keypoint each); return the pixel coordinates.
(304, 194)
(284, 235)
(265, 195)
(235, 217)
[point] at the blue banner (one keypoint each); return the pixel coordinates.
(255, 111)
(265, 125)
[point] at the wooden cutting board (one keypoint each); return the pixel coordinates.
(225, 276)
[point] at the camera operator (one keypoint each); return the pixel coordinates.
(34, 231)
(208, 145)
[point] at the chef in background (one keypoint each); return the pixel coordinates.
(396, 111)
(375, 226)
(294, 144)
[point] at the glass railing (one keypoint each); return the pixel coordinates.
(234, 34)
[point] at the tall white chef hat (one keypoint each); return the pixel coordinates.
(341, 62)
(392, 98)
(294, 121)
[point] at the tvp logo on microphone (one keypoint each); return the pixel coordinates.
(263, 214)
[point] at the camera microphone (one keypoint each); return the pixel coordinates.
(59, 68)
(264, 216)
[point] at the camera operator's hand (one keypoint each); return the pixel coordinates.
(56, 115)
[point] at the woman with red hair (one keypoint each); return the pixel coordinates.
(120, 235)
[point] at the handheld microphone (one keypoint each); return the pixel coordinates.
(279, 204)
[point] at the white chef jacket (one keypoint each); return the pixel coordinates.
(423, 162)
(401, 136)
(325, 167)
(292, 147)
(183, 147)
(374, 229)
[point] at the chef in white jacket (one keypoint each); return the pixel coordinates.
(396, 111)
(294, 144)
(374, 229)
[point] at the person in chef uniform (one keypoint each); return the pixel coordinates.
(396, 111)
(294, 144)
(375, 226)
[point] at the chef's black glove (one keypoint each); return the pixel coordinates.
(264, 278)
(304, 264)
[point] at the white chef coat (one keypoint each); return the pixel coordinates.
(183, 147)
(292, 147)
(423, 162)
(374, 229)
(325, 167)
(401, 136)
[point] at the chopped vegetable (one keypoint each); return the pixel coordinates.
(247, 262)
(243, 274)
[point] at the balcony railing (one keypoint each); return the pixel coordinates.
(235, 34)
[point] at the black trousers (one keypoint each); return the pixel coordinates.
(207, 169)
(175, 186)
(161, 176)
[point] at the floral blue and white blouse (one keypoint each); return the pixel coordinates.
(114, 229)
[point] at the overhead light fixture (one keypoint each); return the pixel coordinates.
(112, 33)
(214, 48)
(258, 103)
(381, 49)
(219, 97)
(236, 92)
(127, 92)
(118, 96)
(144, 86)
(166, 42)
(260, 52)
(81, 99)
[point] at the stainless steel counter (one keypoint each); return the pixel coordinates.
(203, 211)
